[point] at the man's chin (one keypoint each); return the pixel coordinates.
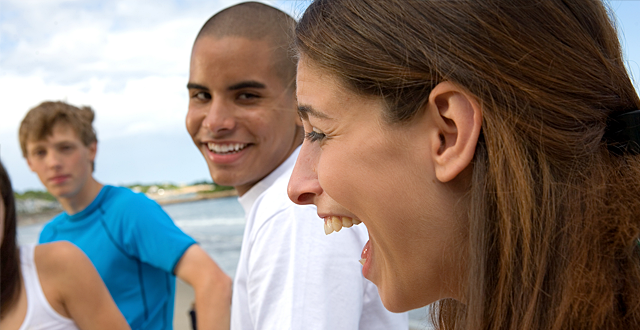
(219, 178)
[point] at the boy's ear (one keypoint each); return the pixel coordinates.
(27, 158)
(93, 150)
(456, 122)
(29, 163)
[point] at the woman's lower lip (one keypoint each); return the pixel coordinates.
(367, 256)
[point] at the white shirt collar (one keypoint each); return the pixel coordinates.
(249, 198)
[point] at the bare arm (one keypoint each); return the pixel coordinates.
(211, 285)
(74, 288)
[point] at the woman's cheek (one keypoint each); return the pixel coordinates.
(340, 179)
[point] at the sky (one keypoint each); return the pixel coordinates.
(129, 61)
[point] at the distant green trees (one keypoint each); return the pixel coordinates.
(34, 194)
(217, 188)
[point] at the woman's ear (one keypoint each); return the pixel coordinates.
(456, 122)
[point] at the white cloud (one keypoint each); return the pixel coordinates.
(129, 60)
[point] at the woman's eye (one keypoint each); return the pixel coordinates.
(315, 135)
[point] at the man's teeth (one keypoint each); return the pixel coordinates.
(334, 223)
(226, 148)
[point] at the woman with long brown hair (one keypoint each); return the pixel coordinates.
(49, 286)
(490, 149)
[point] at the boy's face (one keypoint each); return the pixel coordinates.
(241, 115)
(61, 161)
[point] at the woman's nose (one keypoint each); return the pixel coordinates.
(303, 185)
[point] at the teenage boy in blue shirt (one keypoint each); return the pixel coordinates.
(134, 245)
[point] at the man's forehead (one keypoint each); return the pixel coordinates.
(231, 50)
(233, 41)
(234, 76)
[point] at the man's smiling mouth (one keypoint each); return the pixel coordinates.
(226, 148)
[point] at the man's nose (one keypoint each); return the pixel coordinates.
(220, 117)
(304, 186)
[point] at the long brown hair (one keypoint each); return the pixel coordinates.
(554, 216)
(9, 257)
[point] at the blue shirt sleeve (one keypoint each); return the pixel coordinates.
(44, 235)
(146, 232)
(47, 233)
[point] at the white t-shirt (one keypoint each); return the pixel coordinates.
(293, 276)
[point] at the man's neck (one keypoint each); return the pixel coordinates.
(82, 199)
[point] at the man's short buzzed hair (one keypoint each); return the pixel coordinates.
(257, 21)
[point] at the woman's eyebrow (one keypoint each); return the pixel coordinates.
(306, 110)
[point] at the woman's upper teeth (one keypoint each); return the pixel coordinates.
(334, 223)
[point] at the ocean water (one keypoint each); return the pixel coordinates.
(217, 225)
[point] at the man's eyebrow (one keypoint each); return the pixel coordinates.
(247, 84)
(196, 86)
(305, 110)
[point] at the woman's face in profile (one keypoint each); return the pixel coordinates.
(355, 164)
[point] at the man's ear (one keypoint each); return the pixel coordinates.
(456, 119)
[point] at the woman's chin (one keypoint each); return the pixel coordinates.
(397, 300)
(398, 305)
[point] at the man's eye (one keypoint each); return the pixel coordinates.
(314, 136)
(203, 96)
(40, 153)
(247, 96)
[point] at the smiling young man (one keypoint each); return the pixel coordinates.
(134, 245)
(243, 118)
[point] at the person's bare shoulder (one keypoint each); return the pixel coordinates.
(59, 257)
(59, 265)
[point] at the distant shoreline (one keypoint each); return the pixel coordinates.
(44, 216)
(198, 197)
